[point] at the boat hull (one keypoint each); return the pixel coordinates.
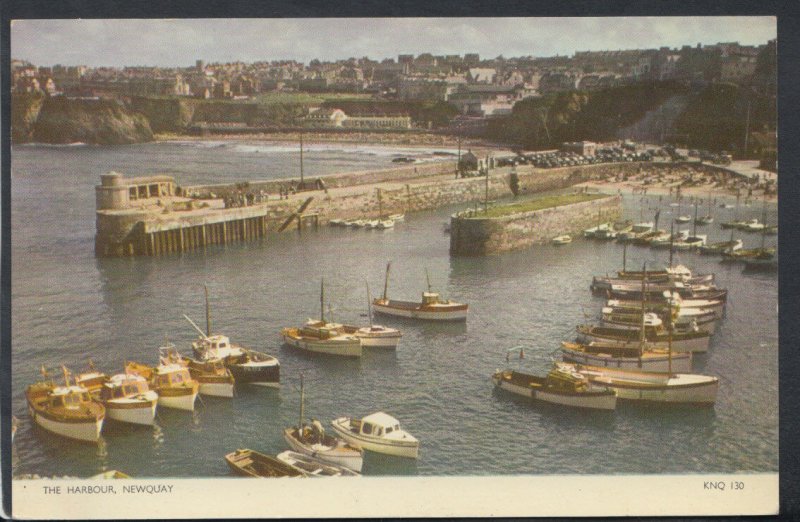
(88, 431)
(694, 344)
(590, 400)
(394, 448)
(139, 412)
(439, 313)
(351, 460)
(681, 362)
(178, 401)
(256, 374)
(661, 388)
(342, 348)
(216, 389)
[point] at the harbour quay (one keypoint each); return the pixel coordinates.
(153, 215)
(520, 225)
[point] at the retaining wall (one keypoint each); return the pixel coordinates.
(476, 236)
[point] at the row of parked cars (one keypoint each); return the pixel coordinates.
(567, 159)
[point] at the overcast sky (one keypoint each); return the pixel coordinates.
(180, 42)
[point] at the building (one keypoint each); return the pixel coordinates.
(336, 118)
(583, 148)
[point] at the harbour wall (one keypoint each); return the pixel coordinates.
(472, 235)
(201, 219)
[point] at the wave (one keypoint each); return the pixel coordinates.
(53, 145)
(377, 150)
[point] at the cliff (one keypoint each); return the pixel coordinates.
(102, 122)
(24, 112)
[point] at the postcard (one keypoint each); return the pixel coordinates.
(453, 266)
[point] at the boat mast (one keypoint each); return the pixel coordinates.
(671, 239)
(764, 222)
(644, 295)
(322, 300)
(380, 205)
(694, 228)
(386, 280)
(369, 305)
(302, 184)
(624, 256)
(302, 406)
(208, 312)
(428, 279)
(669, 339)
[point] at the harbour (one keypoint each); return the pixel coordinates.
(116, 308)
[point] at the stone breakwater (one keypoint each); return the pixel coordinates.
(153, 216)
(473, 235)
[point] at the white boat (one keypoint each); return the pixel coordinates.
(397, 217)
(683, 219)
(371, 223)
(752, 226)
(384, 224)
(670, 239)
(245, 366)
(313, 467)
(323, 338)
(431, 307)
(214, 378)
(561, 240)
(691, 242)
(312, 440)
(337, 223)
(658, 338)
(374, 335)
(68, 411)
(128, 398)
(662, 387)
(173, 383)
(562, 386)
(592, 232)
(356, 223)
(377, 432)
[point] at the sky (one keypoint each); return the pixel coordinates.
(170, 43)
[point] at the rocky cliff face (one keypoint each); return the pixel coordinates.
(24, 113)
(102, 122)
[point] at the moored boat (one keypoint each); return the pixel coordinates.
(377, 432)
(661, 387)
(214, 378)
(245, 365)
(432, 307)
(374, 335)
(68, 410)
(657, 337)
(560, 386)
(313, 467)
(561, 240)
(128, 398)
(625, 355)
(250, 463)
(311, 440)
(173, 383)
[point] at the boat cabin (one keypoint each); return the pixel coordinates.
(171, 375)
(122, 386)
(68, 397)
(376, 425)
(565, 378)
(430, 298)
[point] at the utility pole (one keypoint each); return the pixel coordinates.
(458, 165)
(302, 184)
(747, 128)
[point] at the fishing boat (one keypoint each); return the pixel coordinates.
(384, 224)
(647, 238)
(128, 398)
(311, 440)
(668, 301)
(693, 341)
(721, 247)
(246, 366)
(173, 383)
(214, 378)
(593, 231)
(745, 254)
(313, 467)
(397, 217)
(708, 218)
(561, 240)
(625, 355)
(669, 240)
(754, 225)
(637, 230)
(374, 335)
(337, 223)
(684, 319)
(561, 386)
(660, 387)
(614, 230)
(68, 410)
(250, 463)
(377, 432)
(322, 337)
(371, 223)
(431, 308)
